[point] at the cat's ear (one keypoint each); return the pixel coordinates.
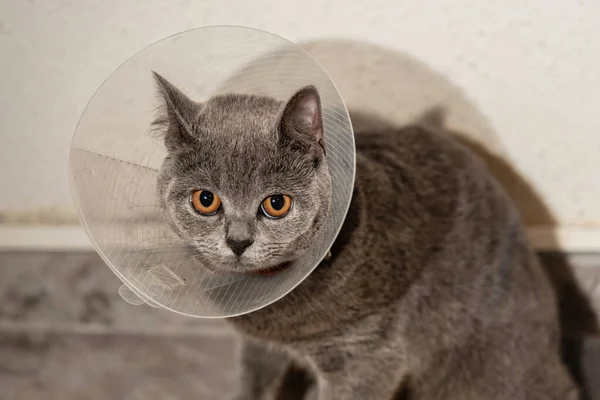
(301, 121)
(176, 116)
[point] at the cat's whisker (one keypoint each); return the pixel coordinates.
(144, 205)
(166, 248)
(152, 251)
(158, 240)
(186, 258)
(150, 245)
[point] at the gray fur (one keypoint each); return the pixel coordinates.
(244, 149)
(432, 291)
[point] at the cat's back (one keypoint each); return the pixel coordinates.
(463, 232)
(431, 170)
(414, 179)
(412, 146)
(476, 289)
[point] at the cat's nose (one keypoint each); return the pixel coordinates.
(239, 246)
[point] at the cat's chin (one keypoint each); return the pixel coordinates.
(265, 271)
(242, 268)
(272, 270)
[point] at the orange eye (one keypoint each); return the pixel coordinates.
(205, 202)
(276, 206)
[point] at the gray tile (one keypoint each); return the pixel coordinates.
(77, 290)
(128, 367)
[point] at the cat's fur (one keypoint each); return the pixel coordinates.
(432, 291)
(228, 146)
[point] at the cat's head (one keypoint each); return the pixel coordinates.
(245, 182)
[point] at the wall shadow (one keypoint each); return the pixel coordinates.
(384, 89)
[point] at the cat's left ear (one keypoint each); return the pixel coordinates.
(301, 121)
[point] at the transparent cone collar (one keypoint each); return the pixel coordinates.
(130, 296)
(114, 165)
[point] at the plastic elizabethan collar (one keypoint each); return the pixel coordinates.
(114, 164)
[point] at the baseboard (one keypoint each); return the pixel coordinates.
(73, 238)
(43, 238)
(571, 240)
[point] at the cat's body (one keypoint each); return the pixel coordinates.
(432, 291)
(436, 287)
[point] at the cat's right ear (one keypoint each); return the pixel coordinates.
(176, 117)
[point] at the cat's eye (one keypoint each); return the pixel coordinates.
(276, 206)
(205, 202)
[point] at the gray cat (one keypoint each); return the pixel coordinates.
(431, 290)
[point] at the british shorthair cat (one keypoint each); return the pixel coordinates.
(431, 291)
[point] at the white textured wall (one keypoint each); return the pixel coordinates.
(522, 77)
